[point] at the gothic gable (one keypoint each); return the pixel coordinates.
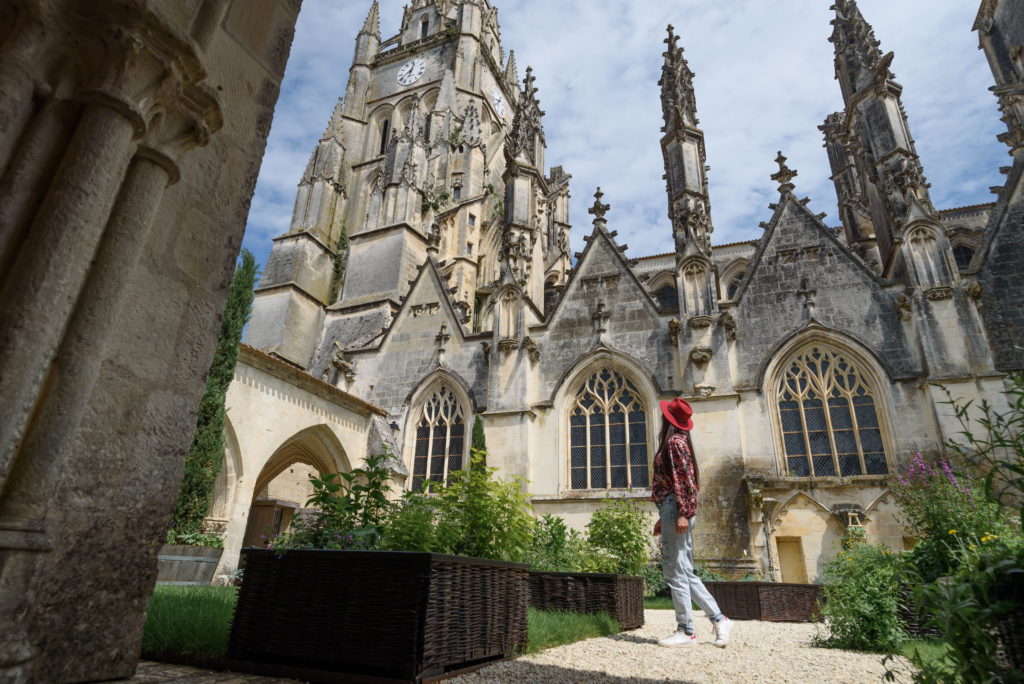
(802, 274)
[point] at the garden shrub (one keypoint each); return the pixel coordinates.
(619, 528)
(550, 548)
(481, 516)
(411, 524)
(941, 504)
(967, 608)
(861, 593)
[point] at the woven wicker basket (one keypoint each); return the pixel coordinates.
(769, 601)
(391, 615)
(621, 596)
(1011, 627)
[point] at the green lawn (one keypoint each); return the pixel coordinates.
(658, 603)
(194, 622)
(189, 621)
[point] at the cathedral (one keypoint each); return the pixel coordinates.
(426, 278)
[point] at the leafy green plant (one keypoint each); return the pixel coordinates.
(411, 524)
(350, 510)
(436, 202)
(482, 516)
(206, 455)
(861, 590)
(619, 528)
(195, 539)
(966, 609)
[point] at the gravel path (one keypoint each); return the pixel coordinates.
(757, 652)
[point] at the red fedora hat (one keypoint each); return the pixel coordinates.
(678, 412)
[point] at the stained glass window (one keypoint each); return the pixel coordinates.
(608, 434)
(828, 417)
(668, 298)
(440, 439)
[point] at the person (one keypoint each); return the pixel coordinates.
(674, 490)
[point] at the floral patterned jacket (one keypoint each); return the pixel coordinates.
(675, 478)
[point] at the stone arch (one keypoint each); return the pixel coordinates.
(866, 363)
(736, 269)
(225, 488)
(379, 127)
(316, 446)
(414, 403)
(965, 247)
(567, 388)
(657, 287)
(807, 522)
(882, 524)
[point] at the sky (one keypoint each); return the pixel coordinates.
(764, 83)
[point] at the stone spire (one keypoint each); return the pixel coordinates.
(858, 60)
(372, 24)
(527, 137)
(784, 176)
(678, 105)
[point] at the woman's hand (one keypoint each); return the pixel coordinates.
(657, 527)
(682, 524)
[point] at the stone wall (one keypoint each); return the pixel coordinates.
(131, 134)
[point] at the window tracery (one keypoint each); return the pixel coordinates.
(440, 439)
(608, 434)
(828, 416)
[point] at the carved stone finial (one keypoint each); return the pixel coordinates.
(433, 238)
(784, 176)
(599, 209)
(601, 318)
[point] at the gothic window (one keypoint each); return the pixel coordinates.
(734, 285)
(440, 439)
(668, 298)
(384, 137)
(607, 434)
(963, 255)
(828, 414)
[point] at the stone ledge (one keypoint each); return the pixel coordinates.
(592, 495)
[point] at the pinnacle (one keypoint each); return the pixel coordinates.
(511, 71)
(372, 23)
(334, 125)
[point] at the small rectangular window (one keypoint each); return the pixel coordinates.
(469, 248)
(472, 220)
(424, 27)
(456, 193)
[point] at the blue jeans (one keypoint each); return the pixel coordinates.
(678, 570)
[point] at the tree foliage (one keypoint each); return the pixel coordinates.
(205, 456)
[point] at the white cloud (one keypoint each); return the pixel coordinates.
(764, 82)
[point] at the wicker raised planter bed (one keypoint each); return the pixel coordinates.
(769, 601)
(1011, 627)
(621, 596)
(376, 614)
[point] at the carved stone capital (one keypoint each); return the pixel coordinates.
(700, 355)
(508, 345)
(699, 322)
(939, 293)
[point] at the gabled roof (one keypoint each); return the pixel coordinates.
(600, 233)
(788, 199)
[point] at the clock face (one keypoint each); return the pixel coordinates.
(498, 100)
(411, 71)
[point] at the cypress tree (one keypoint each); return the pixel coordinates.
(478, 438)
(205, 456)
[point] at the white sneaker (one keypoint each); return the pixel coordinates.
(722, 629)
(679, 638)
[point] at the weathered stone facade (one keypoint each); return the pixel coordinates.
(131, 134)
(810, 355)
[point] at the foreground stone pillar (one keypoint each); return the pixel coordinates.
(117, 250)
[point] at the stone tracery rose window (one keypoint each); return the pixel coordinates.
(607, 434)
(829, 422)
(440, 439)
